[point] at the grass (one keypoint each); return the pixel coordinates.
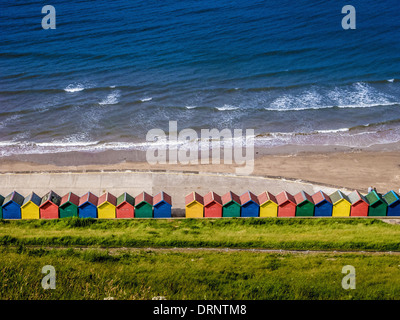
(274, 233)
(144, 274)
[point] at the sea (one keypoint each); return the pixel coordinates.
(111, 71)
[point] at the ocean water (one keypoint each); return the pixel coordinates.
(113, 70)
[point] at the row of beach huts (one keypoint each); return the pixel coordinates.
(284, 204)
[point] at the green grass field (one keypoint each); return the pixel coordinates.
(96, 259)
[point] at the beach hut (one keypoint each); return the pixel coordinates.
(250, 205)
(1, 206)
(359, 204)
(323, 204)
(49, 206)
(230, 205)
(393, 201)
(125, 206)
(304, 204)
(30, 207)
(12, 206)
(194, 205)
(143, 205)
(69, 205)
(162, 203)
(377, 205)
(88, 206)
(341, 204)
(212, 205)
(268, 205)
(106, 206)
(286, 204)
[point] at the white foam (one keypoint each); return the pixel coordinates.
(112, 98)
(227, 107)
(146, 99)
(190, 107)
(74, 88)
(391, 80)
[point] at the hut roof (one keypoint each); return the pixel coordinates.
(337, 196)
(194, 196)
(230, 196)
(355, 197)
(107, 197)
(391, 197)
(162, 196)
(247, 197)
(89, 197)
(285, 196)
(51, 197)
(14, 196)
(70, 197)
(374, 197)
(143, 197)
(1, 199)
(34, 198)
(212, 197)
(303, 196)
(125, 197)
(320, 196)
(266, 196)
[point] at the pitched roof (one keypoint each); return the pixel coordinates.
(14, 196)
(89, 197)
(266, 196)
(320, 196)
(391, 197)
(303, 196)
(107, 197)
(1, 199)
(374, 197)
(162, 196)
(34, 198)
(355, 197)
(248, 196)
(337, 196)
(194, 196)
(143, 197)
(51, 197)
(212, 197)
(230, 196)
(70, 197)
(285, 196)
(125, 197)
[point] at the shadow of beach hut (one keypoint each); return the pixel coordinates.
(30, 208)
(194, 205)
(323, 204)
(88, 206)
(393, 201)
(268, 204)
(230, 205)
(377, 205)
(12, 206)
(125, 206)
(286, 204)
(162, 203)
(1, 206)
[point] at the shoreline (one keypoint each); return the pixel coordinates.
(350, 168)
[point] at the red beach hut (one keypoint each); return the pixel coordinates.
(49, 206)
(125, 206)
(287, 204)
(212, 205)
(359, 204)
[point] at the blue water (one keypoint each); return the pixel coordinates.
(113, 70)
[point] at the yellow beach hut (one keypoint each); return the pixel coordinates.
(341, 204)
(268, 205)
(194, 205)
(30, 207)
(106, 206)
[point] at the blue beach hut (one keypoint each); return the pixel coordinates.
(12, 206)
(162, 205)
(88, 206)
(393, 201)
(250, 205)
(323, 204)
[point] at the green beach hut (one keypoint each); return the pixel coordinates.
(144, 206)
(69, 206)
(377, 205)
(304, 204)
(1, 206)
(230, 205)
